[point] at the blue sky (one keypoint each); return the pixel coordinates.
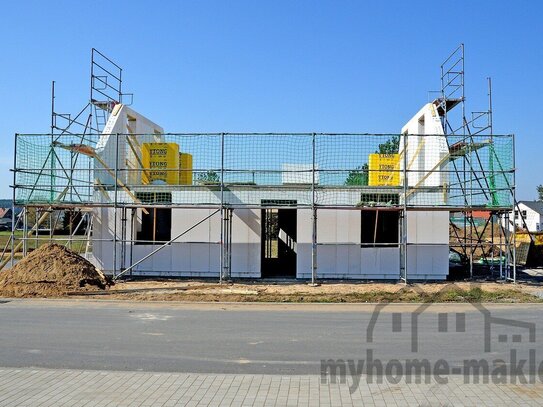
(285, 66)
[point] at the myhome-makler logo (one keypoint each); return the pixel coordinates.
(518, 361)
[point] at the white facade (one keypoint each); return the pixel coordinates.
(427, 156)
(428, 245)
(532, 212)
(340, 252)
(124, 120)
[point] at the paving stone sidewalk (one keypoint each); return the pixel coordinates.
(58, 387)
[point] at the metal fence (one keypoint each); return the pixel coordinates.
(245, 170)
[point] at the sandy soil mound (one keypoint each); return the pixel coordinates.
(50, 271)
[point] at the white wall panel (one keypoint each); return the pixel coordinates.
(428, 227)
(427, 262)
(340, 257)
(181, 257)
(326, 226)
(303, 260)
(199, 257)
(304, 230)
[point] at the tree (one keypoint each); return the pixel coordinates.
(391, 146)
(209, 177)
(540, 193)
(71, 219)
(360, 175)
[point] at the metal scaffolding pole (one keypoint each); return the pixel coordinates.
(221, 260)
(404, 217)
(229, 214)
(13, 225)
(471, 249)
(514, 222)
(226, 223)
(123, 238)
(24, 214)
(501, 220)
(313, 219)
(115, 205)
(52, 197)
(507, 239)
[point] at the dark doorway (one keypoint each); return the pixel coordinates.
(278, 242)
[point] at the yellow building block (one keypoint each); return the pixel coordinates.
(525, 237)
(161, 160)
(185, 169)
(384, 170)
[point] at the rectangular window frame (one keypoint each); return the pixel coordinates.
(156, 224)
(379, 228)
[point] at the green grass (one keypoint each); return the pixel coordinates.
(78, 242)
(473, 295)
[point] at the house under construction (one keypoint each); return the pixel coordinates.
(300, 205)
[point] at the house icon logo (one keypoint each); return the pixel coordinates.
(453, 322)
(500, 366)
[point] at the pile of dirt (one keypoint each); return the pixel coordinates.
(50, 271)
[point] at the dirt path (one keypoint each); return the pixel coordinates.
(326, 292)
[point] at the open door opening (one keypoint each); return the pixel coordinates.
(279, 242)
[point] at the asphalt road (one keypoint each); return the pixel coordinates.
(245, 338)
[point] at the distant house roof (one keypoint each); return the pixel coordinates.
(534, 205)
(481, 214)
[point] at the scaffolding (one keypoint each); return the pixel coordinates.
(241, 171)
(69, 170)
(467, 238)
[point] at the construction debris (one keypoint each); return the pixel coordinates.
(51, 271)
